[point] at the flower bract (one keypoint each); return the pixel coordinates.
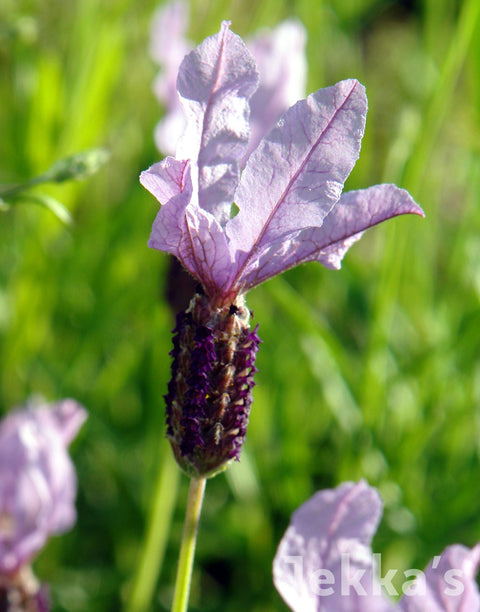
(291, 208)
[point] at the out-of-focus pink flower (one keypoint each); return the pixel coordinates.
(282, 67)
(324, 562)
(38, 483)
(281, 62)
(168, 47)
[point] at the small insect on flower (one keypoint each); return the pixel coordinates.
(291, 210)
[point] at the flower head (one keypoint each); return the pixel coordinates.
(37, 479)
(289, 196)
(290, 210)
(324, 562)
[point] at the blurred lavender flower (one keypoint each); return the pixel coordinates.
(168, 47)
(281, 62)
(324, 562)
(38, 486)
(282, 67)
(291, 210)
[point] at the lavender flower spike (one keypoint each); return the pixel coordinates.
(291, 210)
(37, 488)
(324, 562)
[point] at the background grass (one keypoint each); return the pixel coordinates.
(368, 372)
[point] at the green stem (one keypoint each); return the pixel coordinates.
(189, 539)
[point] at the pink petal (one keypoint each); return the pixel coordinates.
(182, 228)
(280, 57)
(355, 212)
(296, 175)
(328, 542)
(167, 179)
(205, 252)
(282, 64)
(169, 129)
(215, 82)
(170, 182)
(448, 585)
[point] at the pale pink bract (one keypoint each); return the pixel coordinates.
(289, 196)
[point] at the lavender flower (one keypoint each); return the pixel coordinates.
(37, 489)
(324, 562)
(291, 210)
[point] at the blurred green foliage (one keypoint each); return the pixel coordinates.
(369, 372)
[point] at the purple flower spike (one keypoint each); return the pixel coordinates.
(324, 562)
(37, 479)
(210, 392)
(21, 592)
